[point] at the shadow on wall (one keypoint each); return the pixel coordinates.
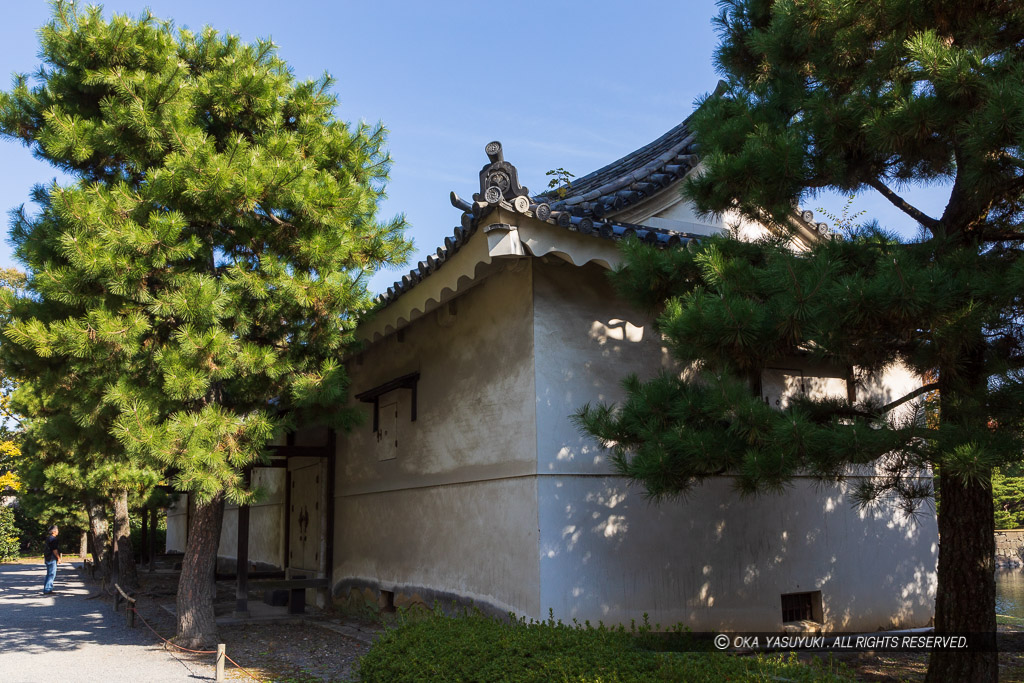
(718, 561)
(568, 376)
(712, 560)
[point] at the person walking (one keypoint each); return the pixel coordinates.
(51, 557)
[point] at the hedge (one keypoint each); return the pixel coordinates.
(472, 647)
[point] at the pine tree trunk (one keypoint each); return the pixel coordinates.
(127, 575)
(101, 543)
(83, 545)
(965, 601)
(92, 549)
(197, 588)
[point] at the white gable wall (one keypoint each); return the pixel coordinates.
(712, 561)
(453, 513)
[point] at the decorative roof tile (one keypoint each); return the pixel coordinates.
(586, 205)
(499, 186)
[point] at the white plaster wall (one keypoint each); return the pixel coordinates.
(476, 540)
(177, 524)
(455, 509)
(266, 520)
(684, 212)
(715, 560)
(587, 340)
(719, 561)
(891, 384)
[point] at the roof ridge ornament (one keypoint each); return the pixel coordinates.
(499, 180)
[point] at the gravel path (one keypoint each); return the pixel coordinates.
(66, 637)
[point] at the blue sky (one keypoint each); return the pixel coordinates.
(560, 84)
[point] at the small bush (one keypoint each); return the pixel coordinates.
(471, 647)
(10, 549)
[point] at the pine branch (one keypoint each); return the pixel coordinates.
(902, 204)
(8, 415)
(267, 213)
(909, 397)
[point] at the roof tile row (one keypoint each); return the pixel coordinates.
(499, 187)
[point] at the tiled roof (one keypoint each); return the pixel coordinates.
(629, 180)
(499, 186)
(424, 268)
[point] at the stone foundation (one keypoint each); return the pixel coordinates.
(367, 598)
(1007, 542)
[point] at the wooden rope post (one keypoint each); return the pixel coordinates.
(220, 662)
(129, 605)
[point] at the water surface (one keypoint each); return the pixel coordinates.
(1010, 592)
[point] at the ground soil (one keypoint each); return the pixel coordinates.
(905, 667)
(309, 652)
(306, 652)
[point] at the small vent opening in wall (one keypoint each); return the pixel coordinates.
(802, 606)
(387, 601)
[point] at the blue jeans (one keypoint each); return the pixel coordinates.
(51, 574)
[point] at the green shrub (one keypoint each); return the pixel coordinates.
(9, 546)
(471, 647)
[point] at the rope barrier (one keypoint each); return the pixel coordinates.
(239, 667)
(185, 649)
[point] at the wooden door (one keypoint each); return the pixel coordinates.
(304, 519)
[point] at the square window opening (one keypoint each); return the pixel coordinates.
(802, 607)
(386, 602)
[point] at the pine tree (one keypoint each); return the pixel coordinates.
(211, 257)
(848, 95)
(1008, 495)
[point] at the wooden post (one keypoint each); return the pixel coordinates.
(286, 562)
(129, 604)
(220, 662)
(152, 539)
(242, 565)
(332, 453)
(144, 546)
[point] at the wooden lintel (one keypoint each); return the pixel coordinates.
(297, 452)
(373, 395)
